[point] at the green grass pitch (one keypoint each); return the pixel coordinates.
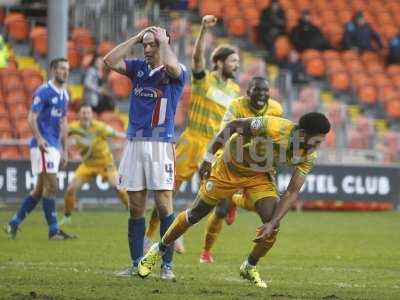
(317, 256)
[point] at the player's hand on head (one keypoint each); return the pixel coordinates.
(143, 32)
(205, 170)
(160, 34)
(209, 21)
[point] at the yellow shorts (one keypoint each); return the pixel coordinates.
(240, 200)
(223, 183)
(89, 172)
(190, 151)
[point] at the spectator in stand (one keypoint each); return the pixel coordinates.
(295, 66)
(359, 35)
(394, 50)
(305, 35)
(272, 24)
(96, 92)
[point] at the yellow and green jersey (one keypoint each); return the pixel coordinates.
(210, 97)
(92, 141)
(271, 147)
(241, 108)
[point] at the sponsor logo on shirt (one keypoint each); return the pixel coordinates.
(147, 92)
(54, 100)
(57, 113)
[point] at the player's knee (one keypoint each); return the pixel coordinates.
(221, 210)
(136, 210)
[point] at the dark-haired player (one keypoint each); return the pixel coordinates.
(253, 148)
(211, 93)
(48, 121)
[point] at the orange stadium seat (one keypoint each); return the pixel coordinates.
(333, 32)
(387, 93)
(340, 81)
(261, 4)
(18, 109)
(120, 85)
(348, 55)
(104, 47)
(16, 96)
(367, 94)
(335, 65)
(32, 79)
(3, 111)
(393, 108)
(5, 135)
(11, 82)
(393, 70)
(10, 152)
(17, 26)
(211, 7)
(315, 67)
(282, 47)
(25, 152)
(39, 37)
(358, 79)
(331, 54)
(74, 56)
(193, 4)
(310, 54)
(83, 39)
(5, 124)
(237, 26)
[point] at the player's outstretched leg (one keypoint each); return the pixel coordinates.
(265, 208)
(180, 225)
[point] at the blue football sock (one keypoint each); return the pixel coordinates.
(164, 225)
(49, 208)
(27, 206)
(136, 230)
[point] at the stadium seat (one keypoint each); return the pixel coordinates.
(120, 85)
(367, 94)
(3, 111)
(39, 37)
(10, 152)
(211, 7)
(331, 55)
(104, 47)
(83, 39)
(237, 26)
(340, 81)
(335, 65)
(5, 135)
(11, 82)
(393, 108)
(5, 124)
(349, 55)
(74, 56)
(282, 47)
(315, 67)
(15, 96)
(393, 70)
(32, 79)
(18, 109)
(17, 27)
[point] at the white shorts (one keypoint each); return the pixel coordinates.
(147, 165)
(45, 162)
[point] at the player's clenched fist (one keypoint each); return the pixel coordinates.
(209, 21)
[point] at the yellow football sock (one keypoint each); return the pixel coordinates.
(123, 196)
(260, 249)
(177, 228)
(153, 225)
(69, 202)
(214, 227)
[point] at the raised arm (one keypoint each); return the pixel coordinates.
(198, 57)
(115, 58)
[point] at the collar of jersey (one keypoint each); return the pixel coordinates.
(56, 89)
(257, 112)
(153, 71)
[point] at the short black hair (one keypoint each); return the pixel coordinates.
(314, 123)
(257, 78)
(84, 104)
(54, 62)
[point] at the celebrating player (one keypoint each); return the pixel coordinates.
(211, 93)
(253, 148)
(257, 103)
(91, 139)
(148, 159)
(48, 121)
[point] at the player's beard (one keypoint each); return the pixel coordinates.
(228, 74)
